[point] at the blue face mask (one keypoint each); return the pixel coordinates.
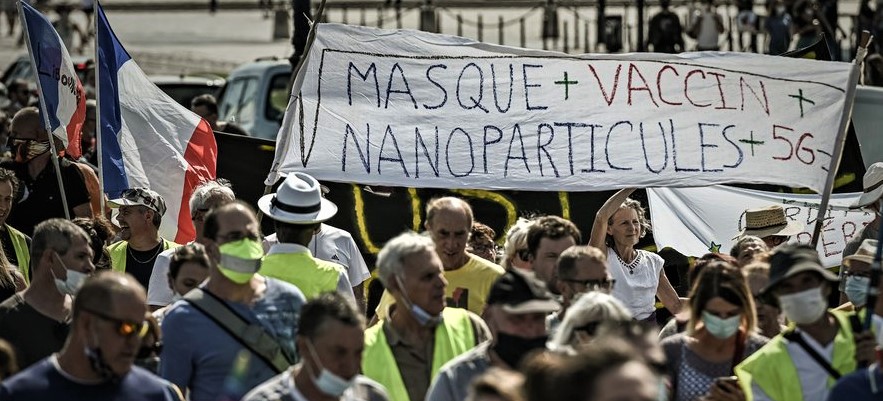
(721, 328)
(423, 317)
(857, 289)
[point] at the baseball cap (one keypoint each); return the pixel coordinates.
(790, 260)
(141, 197)
(521, 292)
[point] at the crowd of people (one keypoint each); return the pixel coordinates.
(101, 311)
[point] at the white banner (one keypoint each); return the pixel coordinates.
(695, 221)
(409, 108)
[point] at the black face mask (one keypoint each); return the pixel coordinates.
(96, 361)
(512, 349)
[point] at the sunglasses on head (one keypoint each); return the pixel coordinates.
(123, 328)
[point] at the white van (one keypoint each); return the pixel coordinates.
(256, 96)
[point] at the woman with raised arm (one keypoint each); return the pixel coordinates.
(618, 227)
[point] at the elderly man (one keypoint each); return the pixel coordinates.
(16, 245)
(516, 315)
(235, 312)
(405, 351)
(547, 237)
(35, 321)
(469, 277)
(297, 210)
(332, 337)
(579, 269)
(206, 197)
(96, 361)
(804, 362)
(140, 216)
(39, 198)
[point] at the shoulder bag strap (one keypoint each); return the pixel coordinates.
(794, 336)
(252, 336)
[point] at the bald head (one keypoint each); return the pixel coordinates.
(449, 204)
(106, 291)
(27, 125)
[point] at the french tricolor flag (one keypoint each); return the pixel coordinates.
(62, 98)
(147, 138)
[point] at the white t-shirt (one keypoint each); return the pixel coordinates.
(334, 245)
(158, 291)
(637, 291)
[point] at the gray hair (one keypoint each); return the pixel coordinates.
(57, 235)
(391, 257)
(589, 307)
(219, 188)
(516, 239)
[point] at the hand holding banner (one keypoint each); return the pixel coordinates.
(416, 109)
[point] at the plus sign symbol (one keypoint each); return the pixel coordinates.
(801, 99)
(751, 141)
(566, 82)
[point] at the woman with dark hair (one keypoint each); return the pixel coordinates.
(679, 323)
(618, 227)
(188, 267)
(720, 334)
(100, 233)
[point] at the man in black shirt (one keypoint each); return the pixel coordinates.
(140, 216)
(665, 32)
(38, 197)
(36, 320)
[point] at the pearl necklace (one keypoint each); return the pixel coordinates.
(631, 266)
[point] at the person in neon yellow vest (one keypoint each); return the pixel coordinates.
(331, 337)
(448, 224)
(784, 369)
(405, 351)
(141, 211)
(16, 245)
(298, 210)
(516, 315)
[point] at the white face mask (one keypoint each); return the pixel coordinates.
(327, 382)
(804, 307)
(74, 280)
(175, 298)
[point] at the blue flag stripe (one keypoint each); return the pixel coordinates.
(111, 56)
(46, 47)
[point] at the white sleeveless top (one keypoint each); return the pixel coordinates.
(637, 291)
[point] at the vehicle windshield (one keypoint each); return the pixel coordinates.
(238, 103)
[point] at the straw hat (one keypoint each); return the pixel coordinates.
(768, 221)
(865, 253)
(872, 184)
(298, 201)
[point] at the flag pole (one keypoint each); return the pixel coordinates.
(845, 118)
(311, 37)
(44, 112)
(99, 127)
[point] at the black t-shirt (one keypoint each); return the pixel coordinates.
(39, 199)
(33, 334)
(140, 263)
(45, 381)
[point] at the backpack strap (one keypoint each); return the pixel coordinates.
(250, 335)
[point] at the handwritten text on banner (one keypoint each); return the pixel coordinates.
(695, 221)
(424, 110)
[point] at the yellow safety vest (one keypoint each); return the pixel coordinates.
(772, 368)
(312, 276)
(118, 249)
(453, 337)
(22, 253)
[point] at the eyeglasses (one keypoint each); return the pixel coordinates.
(124, 328)
(866, 273)
(604, 284)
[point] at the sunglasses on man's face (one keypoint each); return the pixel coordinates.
(124, 328)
